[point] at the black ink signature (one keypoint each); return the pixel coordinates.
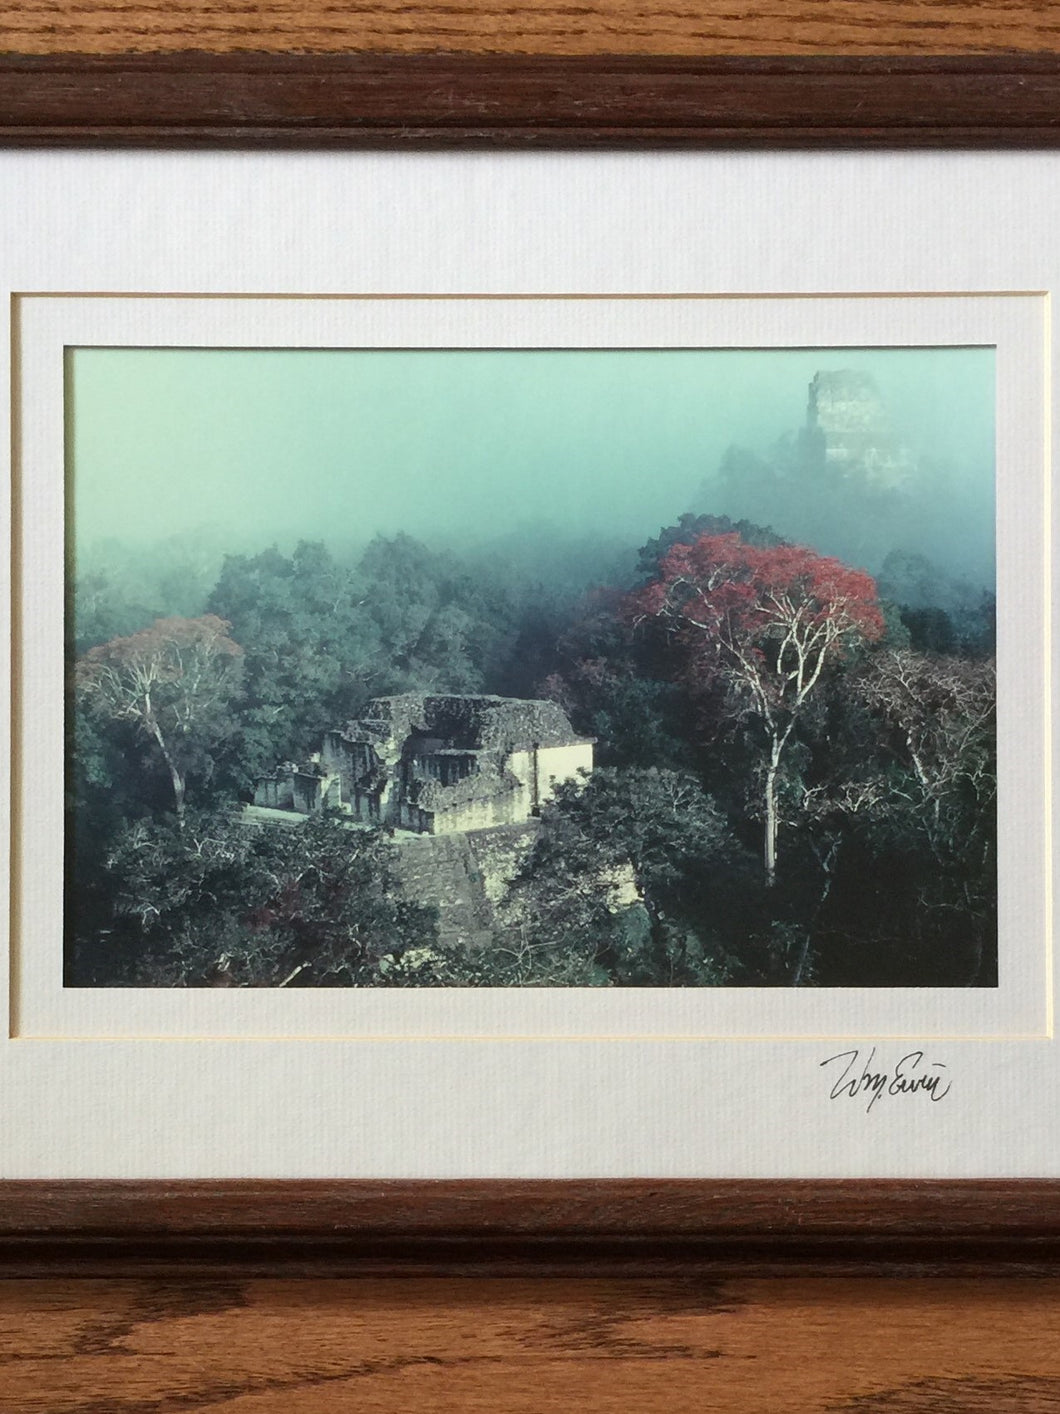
(911, 1076)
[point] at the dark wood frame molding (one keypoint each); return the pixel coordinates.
(638, 1227)
(439, 100)
(617, 1227)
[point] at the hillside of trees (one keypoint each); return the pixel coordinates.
(794, 763)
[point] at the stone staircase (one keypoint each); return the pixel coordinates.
(463, 876)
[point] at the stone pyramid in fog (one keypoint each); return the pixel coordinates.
(849, 430)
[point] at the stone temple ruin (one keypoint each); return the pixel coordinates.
(847, 423)
(436, 764)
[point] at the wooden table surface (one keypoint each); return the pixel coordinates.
(624, 1347)
(549, 26)
(787, 1346)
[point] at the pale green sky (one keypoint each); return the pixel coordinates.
(274, 445)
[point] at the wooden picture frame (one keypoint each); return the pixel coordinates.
(196, 99)
(635, 1228)
(642, 1227)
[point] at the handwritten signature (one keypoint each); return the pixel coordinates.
(859, 1078)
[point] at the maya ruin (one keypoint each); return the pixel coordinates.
(436, 764)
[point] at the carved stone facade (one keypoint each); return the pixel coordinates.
(847, 423)
(436, 764)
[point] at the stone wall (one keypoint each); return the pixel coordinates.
(275, 792)
(464, 876)
(443, 763)
(561, 763)
(847, 417)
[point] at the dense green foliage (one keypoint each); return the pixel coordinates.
(626, 885)
(214, 901)
(648, 873)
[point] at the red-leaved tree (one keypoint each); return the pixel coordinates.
(763, 623)
(174, 681)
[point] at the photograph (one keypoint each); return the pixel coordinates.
(530, 667)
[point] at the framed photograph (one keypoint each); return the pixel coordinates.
(531, 671)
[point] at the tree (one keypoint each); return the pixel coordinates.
(613, 888)
(173, 681)
(944, 614)
(338, 906)
(941, 790)
(435, 628)
(309, 649)
(102, 610)
(942, 711)
(690, 527)
(605, 677)
(223, 901)
(763, 622)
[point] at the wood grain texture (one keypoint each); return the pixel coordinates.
(236, 1229)
(630, 1347)
(196, 99)
(552, 27)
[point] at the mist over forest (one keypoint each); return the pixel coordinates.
(281, 540)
